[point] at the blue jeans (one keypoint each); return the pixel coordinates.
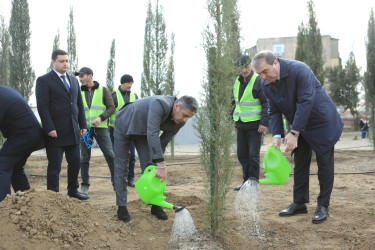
(248, 152)
(102, 137)
(363, 134)
(131, 157)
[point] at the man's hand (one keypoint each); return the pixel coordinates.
(161, 171)
(291, 142)
(53, 134)
(276, 142)
(96, 121)
(262, 129)
(83, 131)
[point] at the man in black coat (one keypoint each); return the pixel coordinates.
(60, 108)
(24, 135)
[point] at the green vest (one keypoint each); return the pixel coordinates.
(120, 103)
(97, 107)
(247, 109)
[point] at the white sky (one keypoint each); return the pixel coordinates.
(97, 22)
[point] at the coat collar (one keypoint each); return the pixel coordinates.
(284, 72)
(84, 87)
(57, 79)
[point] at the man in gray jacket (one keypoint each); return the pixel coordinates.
(142, 121)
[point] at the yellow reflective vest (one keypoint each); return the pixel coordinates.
(97, 107)
(247, 109)
(120, 103)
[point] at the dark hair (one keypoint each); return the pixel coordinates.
(266, 55)
(243, 61)
(58, 52)
(188, 102)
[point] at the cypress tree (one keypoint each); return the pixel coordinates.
(369, 78)
(22, 75)
(4, 53)
(146, 79)
(301, 43)
(214, 124)
(155, 69)
(231, 19)
(170, 81)
(111, 67)
(55, 46)
(71, 41)
(309, 44)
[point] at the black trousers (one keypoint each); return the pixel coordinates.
(55, 155)
(302, 161)
(11, 172)
(13, 156)
(248, 153)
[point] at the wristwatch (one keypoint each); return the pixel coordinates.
(296, 134)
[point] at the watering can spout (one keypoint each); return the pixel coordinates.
(177, 208)
(164, 204)
(276, 166)
(151, 190)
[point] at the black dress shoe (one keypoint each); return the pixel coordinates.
(321, 214)
(158, 212)
(79, 196)
(123, 214)
(294, 209)
(131, 182)
(238, 187)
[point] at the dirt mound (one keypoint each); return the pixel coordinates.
(45, 219)
(49, 219)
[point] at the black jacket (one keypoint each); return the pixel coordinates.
(125, 96)
(18, 124)
(60, 110)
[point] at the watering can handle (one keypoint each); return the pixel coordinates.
(151, 167)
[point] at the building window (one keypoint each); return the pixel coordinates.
(278, 49)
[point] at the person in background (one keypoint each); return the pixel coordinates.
(251, 118)
(60, 108)
(23, 134)
(363, 125)
(141, 122)
(120, 97)
(98, 105)
(292, 90)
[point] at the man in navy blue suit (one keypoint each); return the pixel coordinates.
(60, 108)
(293, 90)
(23, 134)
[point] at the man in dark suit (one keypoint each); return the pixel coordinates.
(24, 135)
(141, 122)
(60, 108)
(292, 90)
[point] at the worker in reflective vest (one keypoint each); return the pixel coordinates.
(98, 106)
(251, 119)
(122, 96)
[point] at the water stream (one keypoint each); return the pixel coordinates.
(248, 206)
(183, 226)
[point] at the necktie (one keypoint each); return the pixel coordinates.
(66, 84)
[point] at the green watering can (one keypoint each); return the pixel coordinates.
(276, 166)
(151, 190)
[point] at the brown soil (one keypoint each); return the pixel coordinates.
(40, 219)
